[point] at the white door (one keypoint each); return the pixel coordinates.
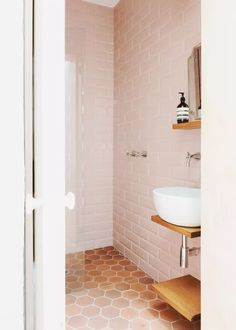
(49, 136)
(28, 111)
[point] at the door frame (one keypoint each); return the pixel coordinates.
(12, 165)
(49, 135)
(29, 163)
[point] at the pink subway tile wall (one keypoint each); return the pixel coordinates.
(152, 41)
(89, 49)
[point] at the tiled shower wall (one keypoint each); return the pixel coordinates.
(89, 51)
(152, 41)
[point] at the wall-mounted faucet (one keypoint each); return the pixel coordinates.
(136, 153)
(189, 156)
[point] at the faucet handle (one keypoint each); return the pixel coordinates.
(188, 158)
(188, 155)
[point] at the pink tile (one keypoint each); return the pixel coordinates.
(147, 80)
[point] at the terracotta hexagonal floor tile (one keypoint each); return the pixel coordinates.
(71, 278)
(112, 294)
(95, 293)
(117, 268)
(77, 321)
(109, 273)
(148, 295)
(89, 252)
(123, 273)
(119, 257)
(90, 267)
(169, 315)
(106, 257)
(75, 285)
(98, 262)
(131, 280)
(70, 299)
(102, 302)
(131, 268)
(72, 310)
(140, 324)
(100, 279)
(102, 267)
(110, 312)
(106, 285)
(149, 314)
(139, 304)
(93, 257)
(101, 252)
(84, 301)
(124, 262)
(138, 287)
(160, 325)
(77, 266)
(110, 262)
(129, 313)
(118, 324)
(108, 248)
(146, 280)
(94, 273)
(88, 262)
(115, 279)
(122, 286)
(91, 311)
(80, 272)
(138, 274)
(91, 285)
(102, 284)
(158, 305)
(80, 293)
(182, 325)
(113, 253)
(87, 278)
(98, 323)
(130, 294)
(120, 302)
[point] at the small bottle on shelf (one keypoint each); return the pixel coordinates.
(182, 110)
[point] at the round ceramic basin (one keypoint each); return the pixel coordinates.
(180, 206)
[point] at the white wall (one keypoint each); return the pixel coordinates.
(218, 165)
(11, 165)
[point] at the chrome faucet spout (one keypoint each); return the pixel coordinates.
(189, 156)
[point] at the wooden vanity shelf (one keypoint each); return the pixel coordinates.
(190, 125)
(183, 294)
(190, 232)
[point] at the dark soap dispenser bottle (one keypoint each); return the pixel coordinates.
(182, 110)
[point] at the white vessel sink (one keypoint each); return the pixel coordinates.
(180, 206)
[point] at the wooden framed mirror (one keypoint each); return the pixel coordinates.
(194, 82)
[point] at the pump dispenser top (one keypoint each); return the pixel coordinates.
(182, 110)
(182, 101)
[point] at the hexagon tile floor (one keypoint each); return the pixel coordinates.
(107, 291)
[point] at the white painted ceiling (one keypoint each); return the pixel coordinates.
(107, 3)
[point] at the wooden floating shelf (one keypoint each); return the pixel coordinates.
(190, 125)
(190, 232)
(183, 294)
